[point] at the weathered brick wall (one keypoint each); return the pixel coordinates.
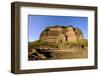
(61, 34)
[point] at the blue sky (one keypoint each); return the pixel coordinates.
(37, 23)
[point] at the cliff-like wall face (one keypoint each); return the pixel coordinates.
(61, 34)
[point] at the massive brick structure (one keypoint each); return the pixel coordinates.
(61, 34)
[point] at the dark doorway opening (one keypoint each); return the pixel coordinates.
(66, 38)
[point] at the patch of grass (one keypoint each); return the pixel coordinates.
(81, 42)
(39, 43)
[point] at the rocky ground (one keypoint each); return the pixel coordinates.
(62, 52)
(69, 54)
